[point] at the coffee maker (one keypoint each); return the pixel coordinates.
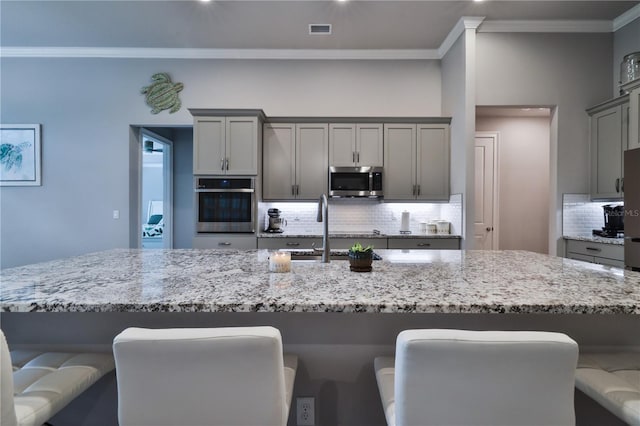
(276, 223)
(613, 221)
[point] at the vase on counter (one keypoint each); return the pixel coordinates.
(360, 261)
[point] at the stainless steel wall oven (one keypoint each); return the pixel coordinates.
(225, 205)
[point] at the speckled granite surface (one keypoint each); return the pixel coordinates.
(595, 239)
(448, 281)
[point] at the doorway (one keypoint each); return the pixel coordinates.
(156, 194)
(522, 217)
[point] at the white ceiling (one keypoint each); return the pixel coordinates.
(382, 24)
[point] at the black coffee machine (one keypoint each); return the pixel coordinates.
(613, 221)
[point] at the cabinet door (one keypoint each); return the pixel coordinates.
(209, 146)
(606, 153)
(399, 161)
(369, 145)
(312, 160)
(432, 171)
(634, 119)
(242, 145)
(342, 144)
(278, 172)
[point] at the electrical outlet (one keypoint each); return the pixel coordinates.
(305, 411)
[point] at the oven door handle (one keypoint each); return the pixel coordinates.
(247, 190)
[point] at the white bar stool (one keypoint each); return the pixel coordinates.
(203, 376)
(460, 377)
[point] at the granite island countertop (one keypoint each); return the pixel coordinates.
(354, 234)
(421, 281)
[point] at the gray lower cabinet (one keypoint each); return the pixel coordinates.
(603, 254)
(225, 241)
(280, 243)
(424, 243)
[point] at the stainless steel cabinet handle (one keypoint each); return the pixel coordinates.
(358, 157)
(226, 164)
(489, 228)
(224, 243)
(593, 249)
(418, 189)
(622, 185)
(293, 190)
(424, 244)
(414, 190)
(353, 156)
(222, 164)
(293, 244)
(618, 185)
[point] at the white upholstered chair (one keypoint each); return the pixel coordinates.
(613, 380)
(460, 377)
(203, 376)
(35, 385)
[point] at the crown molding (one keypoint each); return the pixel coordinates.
(464, 23)
(627, 17)
(557, 26)
(180, 53)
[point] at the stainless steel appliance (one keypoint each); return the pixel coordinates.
(276, 223)
(632, 209)
(224, 204)
(355, 182)
(613, 222)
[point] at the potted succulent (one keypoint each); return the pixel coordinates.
(360, 258)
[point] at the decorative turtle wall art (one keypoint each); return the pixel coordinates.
(162, 93)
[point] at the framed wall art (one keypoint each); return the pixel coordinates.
(19, 154)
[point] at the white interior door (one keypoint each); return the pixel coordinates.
(485, 232)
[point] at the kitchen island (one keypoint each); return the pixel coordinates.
(337, 321)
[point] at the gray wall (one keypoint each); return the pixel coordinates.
(626, 40)
(569, 71)
(87, 106)
(524, 181)
(183, 196)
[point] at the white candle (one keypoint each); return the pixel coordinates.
(280, 262)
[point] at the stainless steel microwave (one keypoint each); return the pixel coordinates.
(355, 182)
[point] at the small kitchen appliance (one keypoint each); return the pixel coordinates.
(613, 222)
(364, 182)
(276, 223)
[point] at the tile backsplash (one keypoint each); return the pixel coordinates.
(580, 215)
(353, 215)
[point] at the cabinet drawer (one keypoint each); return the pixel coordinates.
(238, 242)
(576, 256)
(289, 243)
(587, 248)
(424, 243)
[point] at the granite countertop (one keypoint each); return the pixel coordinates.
(354, 235)
(430, 281)
(595, 239)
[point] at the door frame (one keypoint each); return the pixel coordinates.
(495, 137)
(167, 185)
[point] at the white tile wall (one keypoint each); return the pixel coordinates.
(352, 215)
(580, 216)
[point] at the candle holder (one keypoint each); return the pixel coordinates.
(280, 261)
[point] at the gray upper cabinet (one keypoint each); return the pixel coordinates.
(609, 139)
(225, 145)
(352, 145)
(296, 161)
(634, 119)
(416, 161)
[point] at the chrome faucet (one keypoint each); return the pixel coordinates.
(323, 216)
